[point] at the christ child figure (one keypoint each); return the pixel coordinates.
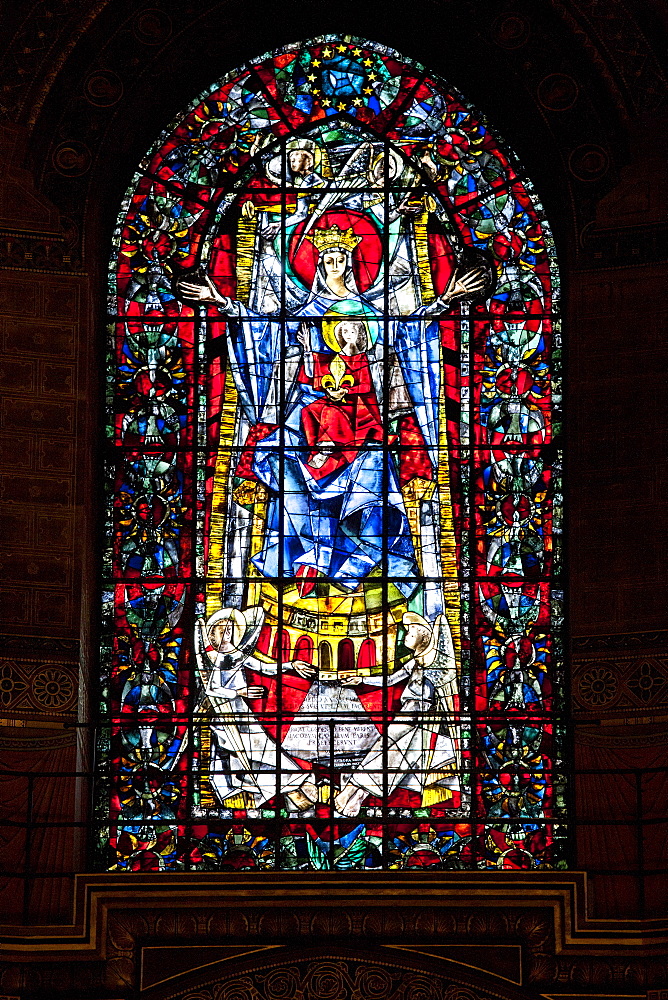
(348, 416)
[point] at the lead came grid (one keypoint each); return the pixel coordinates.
(174, 444)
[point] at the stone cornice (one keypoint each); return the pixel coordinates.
(563, 897)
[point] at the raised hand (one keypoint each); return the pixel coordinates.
(248, 210)
(465, 283)
(303, 336)
(202, 291)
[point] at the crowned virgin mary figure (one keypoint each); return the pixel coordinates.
(337, 421)
(321, 395)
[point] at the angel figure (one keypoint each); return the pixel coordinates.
(244, 757)
(420, 752)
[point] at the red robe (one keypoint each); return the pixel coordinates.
(345, 428)
(341, 428)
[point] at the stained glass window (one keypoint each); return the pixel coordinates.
(332, 608)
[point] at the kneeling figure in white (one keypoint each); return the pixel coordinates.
(420, 753)
(244, 757)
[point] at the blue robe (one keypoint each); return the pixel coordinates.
(334, 523)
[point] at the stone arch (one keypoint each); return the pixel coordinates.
(339, 973)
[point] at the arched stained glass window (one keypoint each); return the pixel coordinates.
(332, 610)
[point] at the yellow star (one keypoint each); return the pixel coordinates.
(311, 77)
(357, 52)
(327, 53)
(315, 91)
(326, 102)
(341, 48)
(341, 106)
(358, 102)
(368, 90)
(368, 62)
(372, 76)
(317, 62)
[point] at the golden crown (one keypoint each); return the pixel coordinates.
(327, 239)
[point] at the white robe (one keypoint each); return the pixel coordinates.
(412, 760)
(244, 757)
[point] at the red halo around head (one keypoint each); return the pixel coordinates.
(367, 255)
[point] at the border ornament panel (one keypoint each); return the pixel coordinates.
(620, 684)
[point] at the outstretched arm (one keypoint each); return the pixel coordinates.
(271, 669)
(463, 285)
(377, 680)
(226, 685)
(204, 292)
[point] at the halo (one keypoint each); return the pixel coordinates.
(307, 144)
(395, 160)
(224, 615)
(274, 167)
(348, 309)
(412, 618)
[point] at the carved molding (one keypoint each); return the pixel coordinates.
(337, 975)
(622, 640)
(34, 739)
(619, 685)
(35, 686)
(622, 738)
(620, 678)
(626, 58)
(21, 251)
(117, 917)
(623, 246)
(29, 645)
(39, 683)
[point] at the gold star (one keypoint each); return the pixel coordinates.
(368, 90)
(326, 102)
(341, 48)
(327, 53)
(372, 76)
(311, 77)
(317, 62)
(358, 102)
(357, 52)
(368, 62)
(315, 91)
(341, 106)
